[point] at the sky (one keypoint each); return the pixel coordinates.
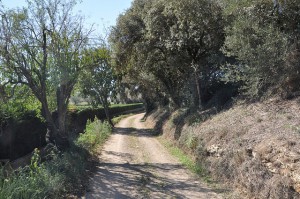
(101, 13)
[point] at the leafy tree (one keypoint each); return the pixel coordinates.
(98, 81)
(134, 56)
(41, 47)
(195, 29)
(264, 36)
(169, 41)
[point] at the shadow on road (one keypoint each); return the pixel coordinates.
(122, 180)
(135, 132)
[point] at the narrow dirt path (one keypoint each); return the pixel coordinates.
(135, 165)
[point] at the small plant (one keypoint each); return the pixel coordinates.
(191, 142)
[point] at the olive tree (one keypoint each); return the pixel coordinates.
(41, 47)
(171, 40)
(98, 81)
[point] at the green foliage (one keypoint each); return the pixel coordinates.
(95, 135)
(41, 49)
(97, 81)
(161, 44)
(185, 159)
(16, 105)
(100, 113)
(264, 40)
(51, 179)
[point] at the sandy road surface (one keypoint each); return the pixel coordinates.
(135, 165)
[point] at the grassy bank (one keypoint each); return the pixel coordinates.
(60, 174)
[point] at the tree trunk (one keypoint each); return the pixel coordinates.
(198, 101)
(52, 130)
(62, 108)
(105, 105)
(106, 110)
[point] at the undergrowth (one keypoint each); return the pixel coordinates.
(50, 179)
(60, 174)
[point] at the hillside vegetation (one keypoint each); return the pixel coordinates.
(200, 53)
(253, 148)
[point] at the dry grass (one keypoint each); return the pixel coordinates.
(253, 147)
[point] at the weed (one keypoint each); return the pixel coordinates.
(191, 142)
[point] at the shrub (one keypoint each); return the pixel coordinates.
(95, 134)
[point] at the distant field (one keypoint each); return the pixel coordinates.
(80, 107)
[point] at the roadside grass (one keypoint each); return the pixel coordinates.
(95, 135)
(186, 160)
(117, 119)
(60, 174)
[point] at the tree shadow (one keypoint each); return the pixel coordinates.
(129, 181)
(161, 121)
(135, 132)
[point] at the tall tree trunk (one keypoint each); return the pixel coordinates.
(198, 100)
(106, 110)
(62, 108)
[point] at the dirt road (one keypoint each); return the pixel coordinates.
(135, 165)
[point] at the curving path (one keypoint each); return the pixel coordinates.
(135, 165)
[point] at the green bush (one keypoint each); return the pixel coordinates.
(50, 179)
(95, 134)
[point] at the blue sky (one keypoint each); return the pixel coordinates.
(102, 13)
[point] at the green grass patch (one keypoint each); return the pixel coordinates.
(117, 119)
(96, 133)
(185, 159)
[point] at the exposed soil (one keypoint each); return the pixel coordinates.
(134, 164)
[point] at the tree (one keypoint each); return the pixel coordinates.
(98, 81)
(132, 52)
(170, 41)
(264, 37)
(41, 47)
(195, 29)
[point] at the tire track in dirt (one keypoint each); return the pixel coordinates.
(135, 165)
